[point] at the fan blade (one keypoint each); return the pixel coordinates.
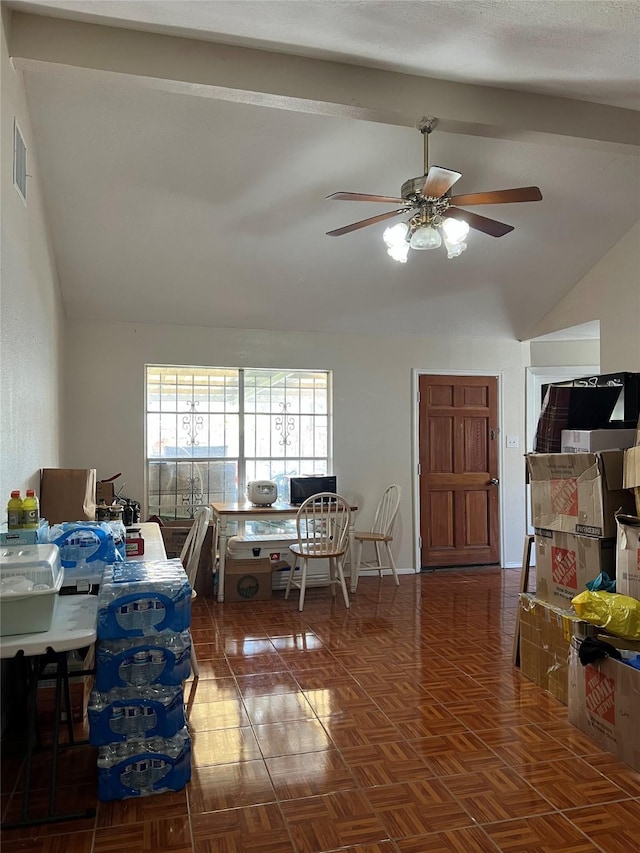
(499, 196)
(346, 229)
(480, 223)
(439, 181)
(363, 197)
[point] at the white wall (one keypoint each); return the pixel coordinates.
(373, 420)
(31, 316)
(610, 293)
(560, 353)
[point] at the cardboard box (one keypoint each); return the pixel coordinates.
(247, 580)
(174, 535)
(628, 556)
(565, 562)
(545, 640)
(105, 492)
(631, 477)
(591, 440)
(276, 547)
(67, 494)
(578, 492)
(604, 703)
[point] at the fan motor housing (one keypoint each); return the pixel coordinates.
(412, 188)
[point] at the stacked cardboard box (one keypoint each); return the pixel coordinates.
(604, 697)
(604, 702)
(632, 470)
(574, 497)
(545, 636)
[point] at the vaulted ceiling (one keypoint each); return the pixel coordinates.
(186, 150)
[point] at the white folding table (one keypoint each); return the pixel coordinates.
(73, 626)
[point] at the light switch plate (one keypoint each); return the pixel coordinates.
(512, 441)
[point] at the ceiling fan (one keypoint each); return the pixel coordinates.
(434, 210)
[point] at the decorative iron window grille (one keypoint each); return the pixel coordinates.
(211, 430)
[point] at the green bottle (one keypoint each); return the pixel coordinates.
(30, 511)
(14, 511)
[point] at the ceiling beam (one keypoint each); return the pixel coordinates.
(207, 69)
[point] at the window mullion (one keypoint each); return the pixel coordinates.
(242, 462)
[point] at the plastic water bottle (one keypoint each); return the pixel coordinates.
(30, 511)
(14, 511)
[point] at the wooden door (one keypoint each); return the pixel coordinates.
(458, 454)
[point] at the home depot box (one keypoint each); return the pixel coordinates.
(545, 640)
(631, 478)
(174, 535)
(604, 703)
(247, 580)
(578, 492)
(591, 440)
(565, 562)
(628, 556)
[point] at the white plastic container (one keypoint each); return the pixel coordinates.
(30, 580)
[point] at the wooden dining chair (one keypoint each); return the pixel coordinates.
(322, 526)
(381, 535)
(190, 559)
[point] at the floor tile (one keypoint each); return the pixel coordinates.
(385, 763)
(115, 813)
(224, 746)
(614, 827)
(291, 738)
(449, 755)
(552, 833)
(570, 782)
(267, 684)
(319, 824)
(75, 842)
(397, 726)
(255, 829)
(417, 808)
(226, 786)
(471, 840)
(278, 708)
(499, 794)
(309, 774)
(172, 835)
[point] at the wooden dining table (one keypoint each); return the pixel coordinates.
(226, 511)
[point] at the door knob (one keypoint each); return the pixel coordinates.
(494, 482)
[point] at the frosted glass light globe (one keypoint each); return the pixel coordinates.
(455, 230)
(395, 235)
(400, 252)
(425, 237)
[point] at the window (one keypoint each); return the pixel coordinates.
(210, 430)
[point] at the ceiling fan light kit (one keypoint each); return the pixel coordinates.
(436, 217)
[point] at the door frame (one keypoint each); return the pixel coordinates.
(416, 373)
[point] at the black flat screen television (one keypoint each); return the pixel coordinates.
(301, 488)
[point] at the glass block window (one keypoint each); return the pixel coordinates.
(210, 430)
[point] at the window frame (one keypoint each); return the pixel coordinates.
(243, 462)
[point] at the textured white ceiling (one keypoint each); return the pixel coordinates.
(586, 49)
(173, 208)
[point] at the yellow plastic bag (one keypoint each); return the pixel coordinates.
(619, 614)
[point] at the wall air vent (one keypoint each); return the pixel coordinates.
(19, 162)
